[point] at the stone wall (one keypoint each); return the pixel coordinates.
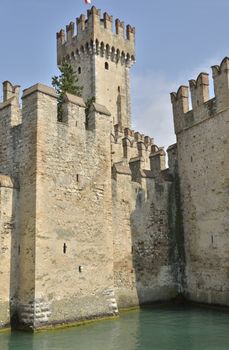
(84, 235)
(91, 220)
(8, 250)
(144, 266)
(202, 142)
(73, 277)
(9, 192)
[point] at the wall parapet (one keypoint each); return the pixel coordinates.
(74, 99)
(94, 35)
(96, 107)
(39, 88)
(202, 107)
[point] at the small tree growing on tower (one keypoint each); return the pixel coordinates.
(67, 81)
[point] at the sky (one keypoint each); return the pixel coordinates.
(175, 41)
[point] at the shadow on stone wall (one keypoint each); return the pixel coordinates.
(14, 260)
(157, 238)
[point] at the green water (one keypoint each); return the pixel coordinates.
(151, 329)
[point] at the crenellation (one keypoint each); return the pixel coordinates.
(92, 29)
(128, 132)
(172, 158)
(141, 148)
(134, 144)
(74, 112)
(93, 19)
(157, 161)
(221, 84)
(180, 103)
(81, 24)
(119, 28)
(108, 21)
(148, 141)
(199, 91)
(70, 30)
(10, 90)
(203, 108)
(136, 164)
(130, 32)
(60, 36)
(93, 12)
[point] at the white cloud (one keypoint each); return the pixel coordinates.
(152, 112)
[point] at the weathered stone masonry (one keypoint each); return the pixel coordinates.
(91, 221)
(203, 168)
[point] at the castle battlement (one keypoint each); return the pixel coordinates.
(101, 58)
(138, 152)
(127, 144)
(94, 35)
(39, 110)
(202, 107)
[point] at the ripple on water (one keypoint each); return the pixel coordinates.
(166, 328)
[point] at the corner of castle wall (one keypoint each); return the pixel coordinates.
(74, 111)
(99, 119)
(180, 103)
(172, 158)
(221, 84)
(157, 161)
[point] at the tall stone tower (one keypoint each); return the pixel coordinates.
(102, 59)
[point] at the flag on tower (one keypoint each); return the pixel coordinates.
(87, 1)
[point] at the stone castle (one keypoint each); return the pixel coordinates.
(91, 220)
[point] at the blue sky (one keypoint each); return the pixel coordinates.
(175, 40)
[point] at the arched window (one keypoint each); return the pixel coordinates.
(106, 65)
(79, 70)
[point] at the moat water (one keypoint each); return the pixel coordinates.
(166, 328)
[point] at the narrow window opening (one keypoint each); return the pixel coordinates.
(212, 240)
(19, 250)
(106, 66)
(79, 70)
(64, 248)
(80, 269)
(77, 177)
(191, 159)
(119, 89)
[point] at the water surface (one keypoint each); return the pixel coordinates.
(166, 328)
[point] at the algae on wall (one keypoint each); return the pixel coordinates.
(176, 233)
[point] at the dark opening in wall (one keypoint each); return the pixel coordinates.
(119, 89)
(64, 248)
(77, 177)
(106, 66)
(79, 70)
